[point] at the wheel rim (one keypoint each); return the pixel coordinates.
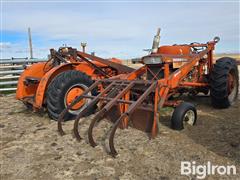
(189, 118)
(232, 87)
(72, 93)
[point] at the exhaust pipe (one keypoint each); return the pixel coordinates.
(156, 41)
(83, 46)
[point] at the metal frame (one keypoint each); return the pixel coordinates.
(115, 94)
(66, 58)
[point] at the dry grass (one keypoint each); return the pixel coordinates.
(235, 56)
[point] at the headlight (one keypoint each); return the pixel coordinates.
(152, 60)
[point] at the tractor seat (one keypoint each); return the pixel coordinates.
(31, 80)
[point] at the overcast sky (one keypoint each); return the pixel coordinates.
(119, 29)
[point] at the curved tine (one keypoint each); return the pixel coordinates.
(75, 129)
(113, 151)
(91, 104)
(60, 120)
(76, 122)
(97, 118)
(63, 113)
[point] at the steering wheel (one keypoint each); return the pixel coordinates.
(196, 49)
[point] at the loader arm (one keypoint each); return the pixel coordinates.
(119, 67)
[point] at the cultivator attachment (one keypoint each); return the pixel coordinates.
(135, 99)
(123, 103)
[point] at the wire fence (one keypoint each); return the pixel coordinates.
(10, 71)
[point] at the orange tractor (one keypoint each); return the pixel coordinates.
(135, 99)
(56, 83)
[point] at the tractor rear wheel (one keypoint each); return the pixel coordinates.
(63, 89)
(184, 114)
(224, 83)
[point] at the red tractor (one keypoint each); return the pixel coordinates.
(135, 99)
(54, 84)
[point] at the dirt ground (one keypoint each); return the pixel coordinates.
(32, 149)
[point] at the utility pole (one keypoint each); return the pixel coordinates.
(30, 43)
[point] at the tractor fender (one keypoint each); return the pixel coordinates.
(47, 78)
(35, 70)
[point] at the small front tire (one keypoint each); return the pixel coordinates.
(184, 114)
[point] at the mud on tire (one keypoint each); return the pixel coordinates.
(223, 90)
(58, 88)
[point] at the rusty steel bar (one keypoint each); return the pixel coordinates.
(141, 98)
(79, 98)
(194, 84)
(91, 104)
(109, 99)
(94, 66)
(120, 67)
(108, 106)
(103, 111)
(130, 110)
(146, 82)
(113, 151)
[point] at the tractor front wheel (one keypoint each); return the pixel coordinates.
(224, 83)
(184, 114)
(63, 89)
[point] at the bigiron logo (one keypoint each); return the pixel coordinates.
(208, 169)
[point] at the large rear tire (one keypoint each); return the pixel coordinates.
(224, 82)
(63, 89)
